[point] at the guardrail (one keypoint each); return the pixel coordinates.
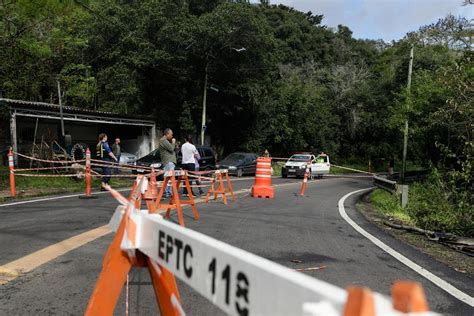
(385, 184)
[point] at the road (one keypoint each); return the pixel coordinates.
(289, 227)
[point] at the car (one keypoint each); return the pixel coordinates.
(296, 165)
(207, 160)
(322, 165)
(127, 158)
(239, 163)
(153, 159)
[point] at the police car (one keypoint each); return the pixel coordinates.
(296, 165)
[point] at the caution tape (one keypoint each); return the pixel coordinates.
(46, 168)
(47, 175)
(50, 161)
(351, 169)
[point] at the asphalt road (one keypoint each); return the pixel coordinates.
(289, 227)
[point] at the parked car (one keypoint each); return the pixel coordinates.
(207, 160)
(239, 163)
(151, 160)
(296, 165)
(322, 165)
(127, 158)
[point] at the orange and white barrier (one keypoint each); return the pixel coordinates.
(234, 280)
(122, 256)
(262, 187)
(11, 167)
(221, 188)
(175, 177)
(88, 194)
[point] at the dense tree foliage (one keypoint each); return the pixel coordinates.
(277, 78)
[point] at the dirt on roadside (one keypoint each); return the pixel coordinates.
(459, 262)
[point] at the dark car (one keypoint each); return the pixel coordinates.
(207, 160)
(153, 159)
(239, 163)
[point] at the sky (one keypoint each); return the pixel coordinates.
(381, 19)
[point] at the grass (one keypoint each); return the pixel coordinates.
(430, 207)
(389, 205)
(40, 186)
(277, 168)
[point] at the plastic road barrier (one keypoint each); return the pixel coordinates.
(241, 283)
(221, 189)
(262, 187)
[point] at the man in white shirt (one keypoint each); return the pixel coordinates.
(189, 152)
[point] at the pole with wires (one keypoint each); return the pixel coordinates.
(405, 133)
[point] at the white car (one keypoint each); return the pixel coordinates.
(296, 165)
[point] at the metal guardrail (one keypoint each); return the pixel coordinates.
(385, 184)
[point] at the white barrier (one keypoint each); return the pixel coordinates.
(238, 282)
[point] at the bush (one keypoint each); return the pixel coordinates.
(434, 206)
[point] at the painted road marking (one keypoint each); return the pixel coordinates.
(57, 198)
(25, 264)
(13, 269)
(442, 284)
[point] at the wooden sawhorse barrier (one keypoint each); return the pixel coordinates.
(220, 189)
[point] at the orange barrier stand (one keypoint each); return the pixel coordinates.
(221, 189)
(116, 266)
(174, 177)
(262, 187)
(305, 179)
(11, 167)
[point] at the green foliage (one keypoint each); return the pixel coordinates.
(389, 205)
(434, 206)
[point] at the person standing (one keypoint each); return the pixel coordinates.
(196, 167)
(104, 153)
(166, 147)
(189, 152)
(117, 152)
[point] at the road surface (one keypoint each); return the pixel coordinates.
(307, 229)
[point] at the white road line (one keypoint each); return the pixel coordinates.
(442, 284)
(57, 198)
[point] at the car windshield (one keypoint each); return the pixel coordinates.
(234, 158)
(299, 158)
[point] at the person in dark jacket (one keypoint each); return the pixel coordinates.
(166, 147)
(105, 154)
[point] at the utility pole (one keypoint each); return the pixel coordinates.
(60, 108)
(204, 99)
(405, 134)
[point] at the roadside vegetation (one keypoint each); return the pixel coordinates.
(38, 186)
(432, 206)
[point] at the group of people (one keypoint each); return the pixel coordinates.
(168, 148)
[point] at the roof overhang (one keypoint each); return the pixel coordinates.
(51, 111)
